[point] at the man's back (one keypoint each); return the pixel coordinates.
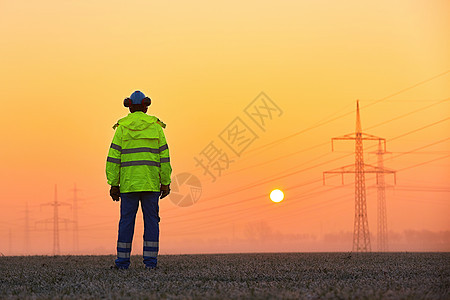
(140, 148)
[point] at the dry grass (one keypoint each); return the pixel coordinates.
(261, 276)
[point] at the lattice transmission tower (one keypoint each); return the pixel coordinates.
(75, 200)
(55, 220)
(27, 229)
(382, 232)
(361, 233)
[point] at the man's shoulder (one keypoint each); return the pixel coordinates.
(118, 123)
(156, 120)
(160, 123)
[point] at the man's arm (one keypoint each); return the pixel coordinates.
(113, 160)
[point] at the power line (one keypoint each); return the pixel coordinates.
(321, 123)
(284, 174)
(215, 216)
(407, 133)
(265, 210)
(219, 219)
(418, 148)
(424, 163)
(235, 215)
(325, 143)
(349, 113)
(408, 113)
(410, 87)
(406, 168)
(291, 187)
(192, 216)
(445, 189)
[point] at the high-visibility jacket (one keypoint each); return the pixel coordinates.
(138, 159)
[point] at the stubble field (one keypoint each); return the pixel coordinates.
(231, 276)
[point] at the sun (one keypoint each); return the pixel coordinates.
(276, 196)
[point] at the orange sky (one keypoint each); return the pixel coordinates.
(67, 65)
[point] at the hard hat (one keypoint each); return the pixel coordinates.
(137, 97)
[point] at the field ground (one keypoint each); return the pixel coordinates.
(231, 276)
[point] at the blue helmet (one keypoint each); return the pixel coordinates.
(137, 97)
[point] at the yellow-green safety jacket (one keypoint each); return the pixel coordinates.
(138, 159)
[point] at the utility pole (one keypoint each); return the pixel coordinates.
(361, 233)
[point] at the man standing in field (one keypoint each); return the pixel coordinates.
(138, 169)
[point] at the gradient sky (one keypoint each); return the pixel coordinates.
(67, 65)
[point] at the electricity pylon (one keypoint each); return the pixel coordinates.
(75, 218)
(382, 227)
(27, 229)
(382, 232)
(361, 234)
(10, 243)
(56, 220)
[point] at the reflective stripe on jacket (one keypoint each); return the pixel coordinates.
(138, 159)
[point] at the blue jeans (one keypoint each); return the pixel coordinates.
(129, 205)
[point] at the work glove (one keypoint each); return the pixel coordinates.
(114, 192)
(165, 190)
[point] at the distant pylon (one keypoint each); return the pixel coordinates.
(10, 242)
(56, 220)
(27, 229)
(75, 218)
(382, 232)
(56, 249)
(361, 233)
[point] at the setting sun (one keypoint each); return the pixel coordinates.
(277, 196)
